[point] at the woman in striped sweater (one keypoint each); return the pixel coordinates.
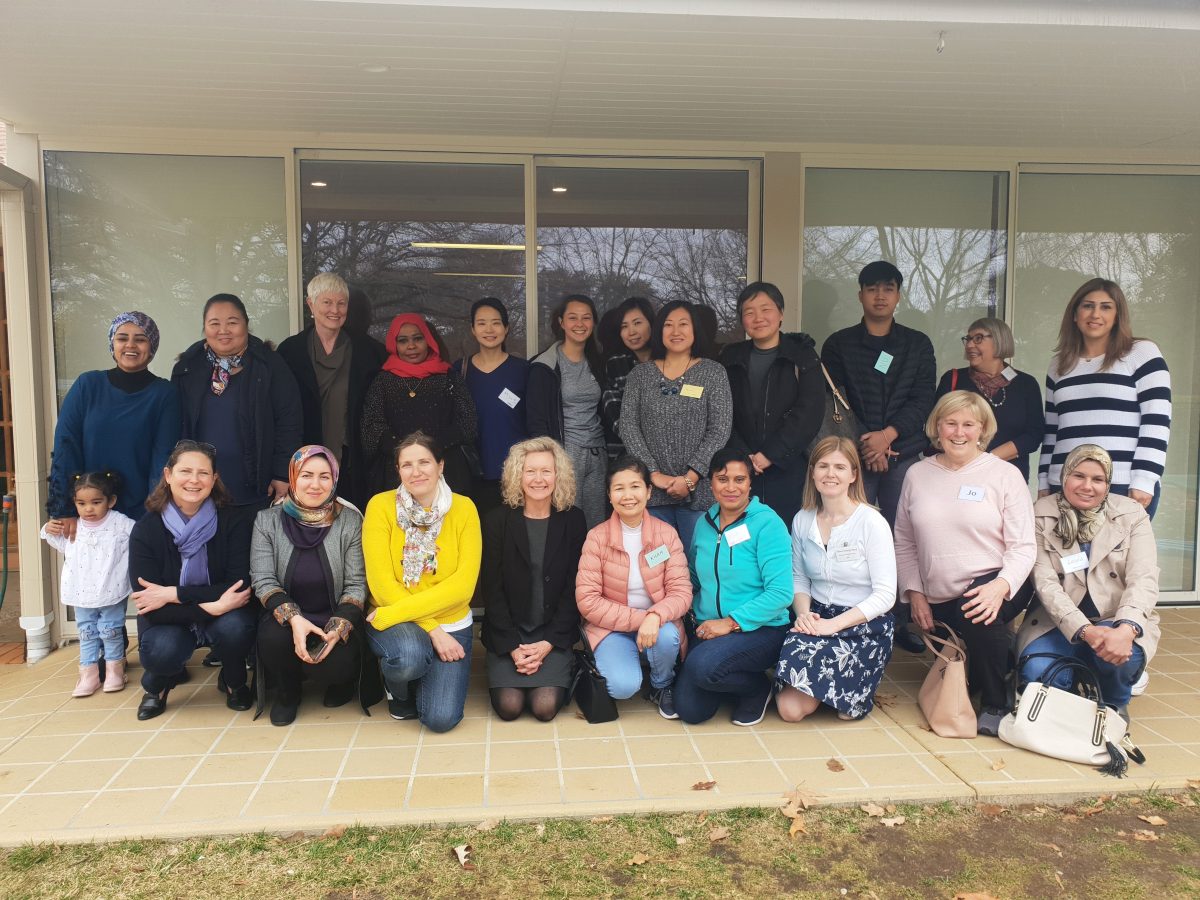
(1108, 388)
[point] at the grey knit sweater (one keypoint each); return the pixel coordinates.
(671, 431)
(271, 553)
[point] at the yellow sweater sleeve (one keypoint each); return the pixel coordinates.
(438, 598)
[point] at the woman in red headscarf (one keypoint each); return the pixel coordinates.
(416, 391)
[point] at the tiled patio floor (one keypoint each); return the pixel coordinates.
(87, 769)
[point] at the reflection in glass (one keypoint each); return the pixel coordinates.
(945, 231)
(1143, 232)
(662, 234)
(429, 238)
(160, 234)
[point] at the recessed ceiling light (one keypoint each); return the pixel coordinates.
(373, 68)
(559, 189)
(318, 184)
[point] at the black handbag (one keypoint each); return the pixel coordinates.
(839, 418)
(590, 688)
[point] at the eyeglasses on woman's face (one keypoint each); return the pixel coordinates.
(974, 338)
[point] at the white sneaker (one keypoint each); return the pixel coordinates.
(1139, 686)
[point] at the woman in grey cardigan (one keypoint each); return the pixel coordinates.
(306, 564)
(677, 412)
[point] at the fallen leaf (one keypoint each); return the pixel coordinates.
(638, 859)
(294, 836)
(1058, 878)
(336, 831)
(600, 820)
(1194, 784)
(1185, 800)
(873, 809)
(719, 833)
(892, 822)
(801, 797)
(540, 829)
(680, 841)
(1057, 849)
(704, 785)
(998, 765)
(700, 818)
(462, 853)
(891, 807)
(349, 858)
(991, 810)
(1134, 801)
(1153, 820)
(372, 838)
(1145, 834)
(487, 824)
(798, 827)
(974, 896)
(1093, 810)
(835, 765)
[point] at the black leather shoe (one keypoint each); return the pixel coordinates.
(239, 698)
(906, 640)
(284, 713)
(152, 706)
(402, 709)
(339, 694)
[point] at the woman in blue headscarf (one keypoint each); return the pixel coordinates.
(123, 420)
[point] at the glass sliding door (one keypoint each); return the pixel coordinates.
(1143, 232)
(424, 237)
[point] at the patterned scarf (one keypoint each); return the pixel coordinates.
(142, 321)
(313, 516)
(988, 384)
(421, 529)
(1079, 526)
(221, 368)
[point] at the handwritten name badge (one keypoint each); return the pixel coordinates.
(1075, 562)
(694, 391)
(1010, 373)
(884, 362)
(737, 535)
(972, 492)
(658, 556)
(509, 398)
(847, 554)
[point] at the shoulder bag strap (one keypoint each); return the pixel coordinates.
(837, 395)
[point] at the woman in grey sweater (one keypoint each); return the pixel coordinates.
(677, 412)
(306, 565)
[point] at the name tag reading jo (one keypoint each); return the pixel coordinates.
(509, 398)
(1075, 562)
(658, 556)
(972, 493)
(884, 362)
(694, 391)
(737, 535)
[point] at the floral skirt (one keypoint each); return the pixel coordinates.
(841, 670)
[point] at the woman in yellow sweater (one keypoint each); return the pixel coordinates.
(422, 547)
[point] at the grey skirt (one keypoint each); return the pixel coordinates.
(555, 671)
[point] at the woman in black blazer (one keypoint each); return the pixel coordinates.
(189, 570)
(531, 550)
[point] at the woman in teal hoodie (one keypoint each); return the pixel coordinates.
(741, 567)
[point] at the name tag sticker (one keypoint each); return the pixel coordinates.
(658, 556)
(509, 398)
(1076, 562)
(847, 554)
(694, 391)
(1010, 373)
(884, 362)
(972, 492)
(737, 535)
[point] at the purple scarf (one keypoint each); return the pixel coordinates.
(191, 539)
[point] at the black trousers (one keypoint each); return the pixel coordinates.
(286, 672)
(989, 648)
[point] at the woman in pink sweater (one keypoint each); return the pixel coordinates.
(634, 611)
(965, 544)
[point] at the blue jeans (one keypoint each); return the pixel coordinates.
(406, 654)
(165, 649)
(732, 666)
(1116, 682)
(102, 626)
(620, 661)
(682, 519)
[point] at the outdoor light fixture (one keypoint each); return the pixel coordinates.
(318, 184)
(559, 189)
(476, 275)
(373, 68)
(440, 245)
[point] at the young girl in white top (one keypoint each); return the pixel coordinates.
(844, 578)
(95, 579)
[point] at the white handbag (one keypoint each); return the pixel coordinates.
(1069, 726)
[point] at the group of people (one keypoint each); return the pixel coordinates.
(669, 508)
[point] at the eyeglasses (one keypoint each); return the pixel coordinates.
(974, 338)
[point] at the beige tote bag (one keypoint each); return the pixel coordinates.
(944, 698)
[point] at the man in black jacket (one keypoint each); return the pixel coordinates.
(889, 375)
(778, 398)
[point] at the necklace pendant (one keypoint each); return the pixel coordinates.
(412, 393)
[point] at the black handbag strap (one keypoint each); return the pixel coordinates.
(1086, 675)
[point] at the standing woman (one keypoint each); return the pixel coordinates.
(497, 381)
(124, 420)
(675, 416)
(1016, 402)
(630, 346)
(422, 548)
(333, 367)
(306, 565)
(563, 400)
(1109, 388)
(189, 565)
(239, 396)
(415, 392)
(531, 553)
(964, 544)
(844, 578)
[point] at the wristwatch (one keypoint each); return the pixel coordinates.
(1137, 629)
